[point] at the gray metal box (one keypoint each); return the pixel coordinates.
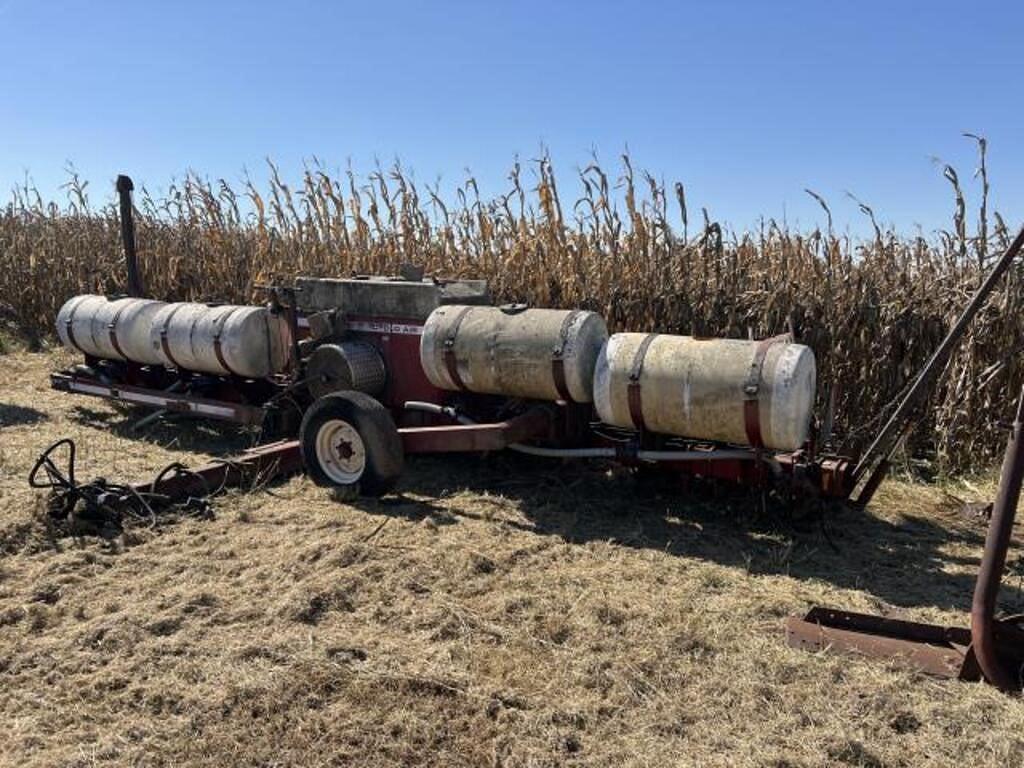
(386, 296)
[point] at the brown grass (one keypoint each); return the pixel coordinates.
(498, 612)
(872, 309)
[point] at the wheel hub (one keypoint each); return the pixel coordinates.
(344, 449)
(340, 451)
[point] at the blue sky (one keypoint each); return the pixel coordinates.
(747, 103)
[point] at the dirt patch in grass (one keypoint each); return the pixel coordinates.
(497, 611)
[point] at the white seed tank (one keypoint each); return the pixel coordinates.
(111, 330)
(698, 388)
(542, 354)
(250, 342)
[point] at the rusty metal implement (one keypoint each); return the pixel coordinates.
(992, 649)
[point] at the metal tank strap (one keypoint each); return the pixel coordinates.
(112, 331)
(752, 389)
(558, 356)
(217, 349)
(450, 363)
(636, 412)
(164, 344)
(70, 328)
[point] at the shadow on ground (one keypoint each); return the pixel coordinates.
(905, 561)
(19, 415)
(902, 562)
(177, 433)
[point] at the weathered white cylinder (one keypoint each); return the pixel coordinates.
(112, 330)
(695, 388)
(251, 342)
(530, 353)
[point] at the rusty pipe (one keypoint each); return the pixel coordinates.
(131, 257)
(997, 543)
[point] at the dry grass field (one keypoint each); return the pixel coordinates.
(497, 611)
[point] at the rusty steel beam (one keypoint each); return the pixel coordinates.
(261, 463)
(933, 649)
(993, 561)
(454, 438)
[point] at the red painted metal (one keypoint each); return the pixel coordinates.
(398, 341)
(535, 423)
(836, 478)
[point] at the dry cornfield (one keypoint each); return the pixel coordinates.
(872, 309)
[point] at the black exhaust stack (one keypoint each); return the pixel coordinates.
(124, 193)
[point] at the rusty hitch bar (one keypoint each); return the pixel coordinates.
(285, 457)
(992, 649)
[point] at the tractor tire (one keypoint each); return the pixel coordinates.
(349, 442)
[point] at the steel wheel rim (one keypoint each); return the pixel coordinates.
(340, 452)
